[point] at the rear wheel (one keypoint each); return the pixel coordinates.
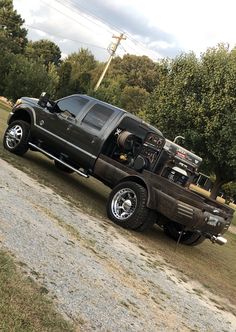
(173, 230)
(16, 137)
(126, 205)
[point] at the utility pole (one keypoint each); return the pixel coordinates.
(112, 53)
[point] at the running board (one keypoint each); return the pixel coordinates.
(57, 159)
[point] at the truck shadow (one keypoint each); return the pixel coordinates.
(88, 194)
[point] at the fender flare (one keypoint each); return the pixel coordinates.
(151, 201)
(19, 110)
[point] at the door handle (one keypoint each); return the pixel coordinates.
(69, 127)
(94, 139)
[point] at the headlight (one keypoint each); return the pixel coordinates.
(18, 102)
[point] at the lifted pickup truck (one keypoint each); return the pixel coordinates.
(149, 175)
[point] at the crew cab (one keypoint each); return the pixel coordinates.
(149, 175)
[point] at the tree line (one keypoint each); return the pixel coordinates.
(190, 96)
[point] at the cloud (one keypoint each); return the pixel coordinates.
(130, 20)
(75, 24)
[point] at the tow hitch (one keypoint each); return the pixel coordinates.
(218, 239)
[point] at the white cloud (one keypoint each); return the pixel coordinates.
(165, 27)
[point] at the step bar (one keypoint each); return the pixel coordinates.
(59, 160)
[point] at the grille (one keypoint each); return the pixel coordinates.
(185, 210)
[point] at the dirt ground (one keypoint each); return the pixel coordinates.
(100, 276)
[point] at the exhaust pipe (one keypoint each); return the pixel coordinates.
(218, 239)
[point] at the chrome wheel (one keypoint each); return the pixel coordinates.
(13, 136)
(124, 203)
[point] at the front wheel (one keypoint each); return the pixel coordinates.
(173, 230)
(126, 205)
(16, 137)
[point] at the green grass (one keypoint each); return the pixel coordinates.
(212, 265)
(24, 307)
(234, 219)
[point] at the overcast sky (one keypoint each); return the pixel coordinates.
(157, 28)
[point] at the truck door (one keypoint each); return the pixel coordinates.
(56, 127)
(91, 131)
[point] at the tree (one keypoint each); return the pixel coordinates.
(28, 78)
(82, 64)
(6, 59)
(64, 72)
(230, 191)
(45, 50)
(53, 80)
(197, 99)
(110, 90)
(12, 34)
(140, 71)
(12, 38)
(133, 99)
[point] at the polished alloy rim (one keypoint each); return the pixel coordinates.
(14, 136)
(124, 203)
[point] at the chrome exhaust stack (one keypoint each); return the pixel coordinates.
(218, 239)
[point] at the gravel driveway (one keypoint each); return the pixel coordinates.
(97, 274)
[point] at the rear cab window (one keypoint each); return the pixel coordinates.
(97, 116)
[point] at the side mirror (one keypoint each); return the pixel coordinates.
(43, 99)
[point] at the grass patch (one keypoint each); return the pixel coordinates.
(23, 305)
(212, 265)
(234, 219)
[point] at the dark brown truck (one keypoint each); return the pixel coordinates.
(149, 175)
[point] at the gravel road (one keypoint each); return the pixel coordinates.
(97, 274)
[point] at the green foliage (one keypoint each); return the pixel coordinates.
(140, 71)
(197, 99)
(110, 90)
(230, 190)
(53, 80)
(82, 64)
(6, 59)
(64, 72)
(43, 50)
(133, 99)
(128, 81)
(12, 38)
(28, 78)
(12, 35)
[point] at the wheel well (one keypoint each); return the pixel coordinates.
(151, 201)
(134, 179)
(21, 115)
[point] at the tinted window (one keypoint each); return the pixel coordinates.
(72, 104)
(97, 116)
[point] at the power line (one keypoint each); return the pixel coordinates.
(101, 23)
(72, 5)
(64, 14)
(104, 24)
(60, 36)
